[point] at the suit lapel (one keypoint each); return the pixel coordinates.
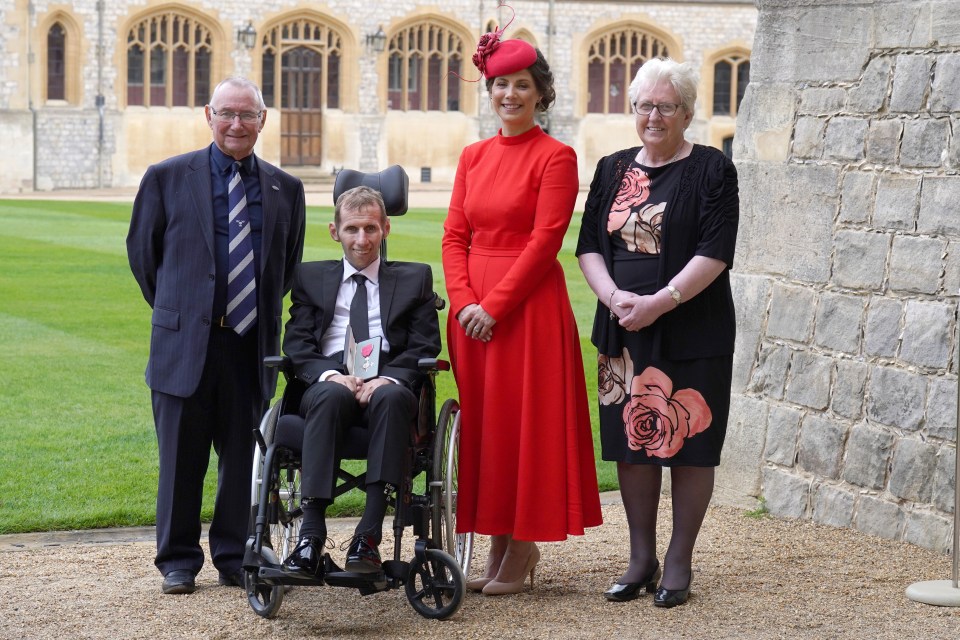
(331, 287)
(270, 190)
(201, 193)
(388, 286)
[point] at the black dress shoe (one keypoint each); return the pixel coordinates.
(234, 579)
(632, 590)
(363, 555)
(306, 556)
(672, 597)
(179, 581)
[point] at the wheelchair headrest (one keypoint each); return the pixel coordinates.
(392, 183)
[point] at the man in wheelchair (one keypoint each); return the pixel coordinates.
(374, 301)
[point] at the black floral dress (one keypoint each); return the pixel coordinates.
(656, 410)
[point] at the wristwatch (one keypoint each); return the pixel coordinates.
(675, 294)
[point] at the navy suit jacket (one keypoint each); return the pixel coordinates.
(407, 306)
(171, 251)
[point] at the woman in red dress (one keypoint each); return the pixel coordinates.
(526, 468)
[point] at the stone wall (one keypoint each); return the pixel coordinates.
(849, 265)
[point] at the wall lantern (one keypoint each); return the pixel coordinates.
(377, 41)
(247, 36)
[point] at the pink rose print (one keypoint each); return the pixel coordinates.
(634, 189)
(613, 374)
(658, 422)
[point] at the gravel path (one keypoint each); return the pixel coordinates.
(754, 578)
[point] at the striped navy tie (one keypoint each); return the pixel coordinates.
(241, 279)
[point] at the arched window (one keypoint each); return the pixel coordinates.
(57, 62)
(612, 61)
(169, 61)
(731, 75)
(301, 65)
(422, 60)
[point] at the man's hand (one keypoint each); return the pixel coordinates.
(365, 389)
(350, 382)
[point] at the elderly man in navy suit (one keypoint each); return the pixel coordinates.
(398, 307)
(214, 238)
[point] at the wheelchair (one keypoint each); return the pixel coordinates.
(433, 578)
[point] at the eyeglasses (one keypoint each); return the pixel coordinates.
(245, 116)
(666, 109)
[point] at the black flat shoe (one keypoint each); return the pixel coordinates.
(667, 598)
(179, 581)
(363, 556)
(632, 590)
(234, 579)
(306, 556)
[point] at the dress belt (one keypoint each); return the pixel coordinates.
(497, 252)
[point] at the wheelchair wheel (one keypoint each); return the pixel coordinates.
(264, 599)
(443, 487)
(285, 527)
(436, 585)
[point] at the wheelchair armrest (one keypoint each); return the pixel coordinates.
(278, 362)
(432, 364)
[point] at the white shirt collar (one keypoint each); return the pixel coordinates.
(372, 271)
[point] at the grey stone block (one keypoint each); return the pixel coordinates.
(790, 230)
(846, 139)
(868, 456)
(881, 336)
(896, 398)
(809, 383)
(951, 270)
(944, 96)
(945, 24)
(878, 517)
(945, 479)
(953, 154)
(808, 138)
(911, 472)
(896, 203)
(739, 470)
(925, 143)
(941, 420)
(856, 202)
(833, 506)
(771, 110)
(860, 259)
(752, 295)
(911, 77)
(902, 24)
(848, 389)
(916, 264)
(839, 318)
(883, 141)
(821, 445)
(770, 375)
(927, 330)
(791, 313)
(783, 427)
(786, 495)
(869, 95)
(822, 100)
(929, 530)
(938, 206)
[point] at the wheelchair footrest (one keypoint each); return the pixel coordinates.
(396, 569)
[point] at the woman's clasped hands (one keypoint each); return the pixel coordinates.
(635, 311)
(477, 323)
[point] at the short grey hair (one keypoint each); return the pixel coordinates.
(243, 83)
(680, 74)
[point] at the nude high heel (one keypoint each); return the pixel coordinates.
(497, 588)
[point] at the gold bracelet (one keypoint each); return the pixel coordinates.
(610, 303)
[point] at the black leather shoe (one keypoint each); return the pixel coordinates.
(672, 597)
(234, 579)
(363, 556)
(632, 590)
(179, 581)
(306, 556)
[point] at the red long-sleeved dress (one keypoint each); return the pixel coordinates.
(526, 463)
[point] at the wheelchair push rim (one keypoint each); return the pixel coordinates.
(443, 485)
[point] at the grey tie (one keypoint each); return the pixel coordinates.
(359, 314)
(241, 279)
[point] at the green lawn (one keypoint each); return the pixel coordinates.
(78, 446)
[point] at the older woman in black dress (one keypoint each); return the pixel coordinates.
(656, 246)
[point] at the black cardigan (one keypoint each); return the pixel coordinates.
(706, 204)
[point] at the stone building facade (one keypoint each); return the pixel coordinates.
(848, 269)
(94, 91)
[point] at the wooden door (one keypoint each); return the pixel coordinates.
(301, 109)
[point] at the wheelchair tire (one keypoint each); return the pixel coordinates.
(435, 585)
(443, 488)
(285, 531)
(264, 599)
